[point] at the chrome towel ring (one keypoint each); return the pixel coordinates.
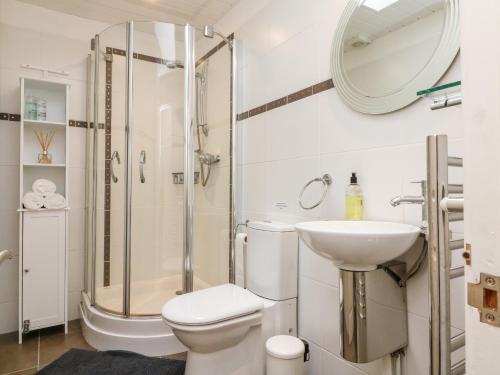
(326, 180)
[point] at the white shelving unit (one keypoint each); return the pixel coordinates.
(43, 234)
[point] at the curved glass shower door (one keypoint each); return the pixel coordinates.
(109, 176)
(161, 190)
(157, 158)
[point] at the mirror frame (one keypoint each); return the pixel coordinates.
(428, 76)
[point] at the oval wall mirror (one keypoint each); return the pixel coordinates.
(384, 51)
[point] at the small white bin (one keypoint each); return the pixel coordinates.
(285, 355)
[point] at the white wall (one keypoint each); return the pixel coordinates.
(481, 92)
(25, 39)
(286, 47)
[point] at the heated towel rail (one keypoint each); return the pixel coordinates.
(442, 210)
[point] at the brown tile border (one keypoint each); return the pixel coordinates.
(323, 86)
(276, 103)
(72, 123)
(298, 95)
(304, 93)
(257, 111)
(219, 46)
(107, 171)
(158, 60)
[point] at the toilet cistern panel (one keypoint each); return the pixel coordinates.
(272, 260)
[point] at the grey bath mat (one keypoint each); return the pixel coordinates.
(84, 362)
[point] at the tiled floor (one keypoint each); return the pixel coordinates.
(39, 348)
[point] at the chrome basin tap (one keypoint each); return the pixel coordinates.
(414, 199)
(407, 199)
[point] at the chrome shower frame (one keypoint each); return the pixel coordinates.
(189, 116)
(189, 158)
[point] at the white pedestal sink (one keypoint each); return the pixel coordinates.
(358, 245)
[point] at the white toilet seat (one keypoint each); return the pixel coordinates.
(212, 305)
(213, 319)
(250, 320)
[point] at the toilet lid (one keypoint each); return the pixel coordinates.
(211, 305)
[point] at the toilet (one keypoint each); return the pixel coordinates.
(225, 327)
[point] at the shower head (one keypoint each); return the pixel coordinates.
(209, 32)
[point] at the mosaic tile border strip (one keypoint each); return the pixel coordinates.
(14, 117)
(210, 53)
(107, 169)
(285, 100)
(159, 60)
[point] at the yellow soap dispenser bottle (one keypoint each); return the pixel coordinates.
(354, 200)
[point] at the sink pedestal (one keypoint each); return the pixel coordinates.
(373, 314)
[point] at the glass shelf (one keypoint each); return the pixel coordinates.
(443, 96)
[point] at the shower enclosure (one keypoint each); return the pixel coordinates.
(160, 168)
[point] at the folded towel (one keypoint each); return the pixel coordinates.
(33, 201)
(55, 201)
(44, 187)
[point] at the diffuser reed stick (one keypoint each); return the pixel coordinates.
(45, 140)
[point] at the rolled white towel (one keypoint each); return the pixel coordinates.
(55, 201)
(33, 201)
(44, 187)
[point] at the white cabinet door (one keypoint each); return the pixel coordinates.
(44, 258)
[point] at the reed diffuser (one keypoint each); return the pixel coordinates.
(44, 139)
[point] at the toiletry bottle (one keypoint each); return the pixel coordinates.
(354, 200)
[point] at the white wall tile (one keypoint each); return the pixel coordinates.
(75, 270)
(257, 141)
(77, 188)
(319, 322)
(377, 172)
(9, 321)
(417, 354)
(287, 177)
(9, 271)
(293, 129)
(74, 305)
(283, 148)
(9, 142)
(331, 364)
(77, 147)
(19, 46)
(76, 229)
(9, 175)
(9, 233)
(313, 367)
(62, 53)
(289, 18)
(255, 187)
(315, 267)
